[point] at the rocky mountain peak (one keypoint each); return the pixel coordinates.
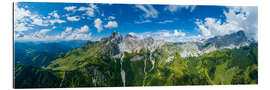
(131, 44)
(130, 36)
(233, 39)
(115, 37)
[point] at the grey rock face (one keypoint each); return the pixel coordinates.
(111, 44)
(131, 44)
(234, 40)
(116, 44)
(226, 41)
(114, 38)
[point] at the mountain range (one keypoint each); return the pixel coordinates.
(128, 61)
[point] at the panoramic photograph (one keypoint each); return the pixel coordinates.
(75, 45)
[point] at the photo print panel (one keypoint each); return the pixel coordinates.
(71, 45)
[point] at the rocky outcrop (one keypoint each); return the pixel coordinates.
(131, 44)
(234, 40)
(116, 44)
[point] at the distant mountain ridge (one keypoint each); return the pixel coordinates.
(131, 44)
(41, 53)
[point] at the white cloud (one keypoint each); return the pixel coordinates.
(98, 24)
(77, 34)
(93, 6)
(68, 29)
(56, 21)
(64, 34)
(149, 10)
(167, 35)
(174, 8)
(53, 27)
(68, 34)
(25, 20)
(21, 27)
(20, 18)
(144, 21)
(165, 21)
(20, 13)
(111, 17)
(70, 8)
(111, 24)
(54, 14)
(179, 33)
(41, 34)
(18, 35)
(73, 18)
(237, 18)
(90, 11)
(39, 21)
(84, 28)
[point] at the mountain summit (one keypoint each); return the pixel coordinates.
(115, 38)
(128, 61)
(233, 40)
(117, 44)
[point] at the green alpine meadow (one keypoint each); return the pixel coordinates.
(128, 45)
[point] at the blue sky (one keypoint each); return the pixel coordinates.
(35, 21)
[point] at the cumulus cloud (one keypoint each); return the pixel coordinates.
(65, 33)
(20, 18)
(73, 18)
(84, 28)
(70, 8)
(111, 24)
(90, 11)
(19, 35)
(68, 29)
(98, 24)
(25, 20)
(35, 36)
(149, 10)
(41, 34)
(53, 21)
(179, 33)
(21, 27)
(20, 13)
(54, 14)
(237, 18)
(174, 8)
(77, 34)
(39, 21)
(68, 34)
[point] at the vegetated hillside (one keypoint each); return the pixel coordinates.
(103, 63)
(33, 77)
